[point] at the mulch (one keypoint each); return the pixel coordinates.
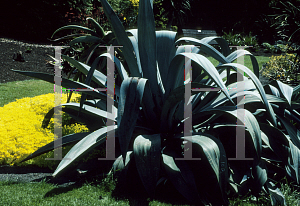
(35, 59)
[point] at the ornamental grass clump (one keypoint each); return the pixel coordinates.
(145, 108)
(22, 133)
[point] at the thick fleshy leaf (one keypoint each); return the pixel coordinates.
(88, 80)
(275, 194)
(65, 140)
(233, 89)
(248, 119)
(212, 153)
(147, 155)
(134, 41)
(98, 77)
(260, 176)
(176, 68)
(174, 98)
(119, 165)
(164, 44)
(97, 27)
(131, 94)
(258, 86)
(285, 90)
(182, 178)
(204, 47)
(76, 27)
(121, 71)
(91, 115)
(221, 42)
(293, 132)
(296, 92)
(98, 103)
(83, 147)
(65, 83)
(147, 48)
(278, 144)
(86, 39)
(71, 36)
(269, 89)
(122, 38)
(238, 53)
(294, 163)
(87, 54)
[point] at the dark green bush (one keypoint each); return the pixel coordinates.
(35, 21)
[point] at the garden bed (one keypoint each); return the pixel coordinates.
(35, 60)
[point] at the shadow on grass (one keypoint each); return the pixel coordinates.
(132, 189)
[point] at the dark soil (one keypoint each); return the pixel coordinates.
(35, 59)
(33, 173)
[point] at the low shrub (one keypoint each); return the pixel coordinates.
(240, 39)
(284, 68)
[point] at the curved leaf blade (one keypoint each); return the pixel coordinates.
(86, 39)
(82, 148)
(259, 87)
(97, 27)
(122, 38)
(65, 83)
(147, 149)
(65, 140)
(131, 95)
(182, 178)
(76, 27)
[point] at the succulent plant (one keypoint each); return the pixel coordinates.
(149, 114)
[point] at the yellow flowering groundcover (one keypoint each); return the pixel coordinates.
(21, 133)
(282, 67)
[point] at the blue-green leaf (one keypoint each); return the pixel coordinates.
(164, 43)
(76, 27)
(131, 95)
(83, 147)
(65, 83)
(97, 27)
(147, 48)
(182, 178)
(147, 151)
(285, 90)
(258, 86)
(86, 39)
(122, 38)
(98, 77)
(65, 140)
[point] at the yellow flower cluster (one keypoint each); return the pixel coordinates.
(20, 127)
(280, 66)
(135, 2)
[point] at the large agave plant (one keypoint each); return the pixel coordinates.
(150, 116)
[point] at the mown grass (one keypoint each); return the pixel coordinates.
(12, 91)
(101, 192)
(247, 62)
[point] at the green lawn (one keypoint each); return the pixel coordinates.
(247, 62)
(12, 91)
